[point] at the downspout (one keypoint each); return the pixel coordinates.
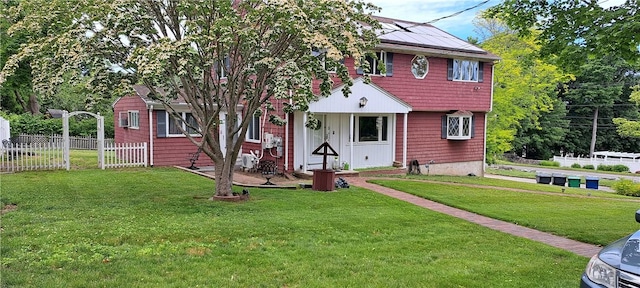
(351, 141)
(304, 143)
(484, 157)
(286, 135)
(150, 107)
(404, 140)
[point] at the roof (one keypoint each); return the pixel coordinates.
(425, 38)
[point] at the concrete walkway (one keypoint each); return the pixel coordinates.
(583, 249)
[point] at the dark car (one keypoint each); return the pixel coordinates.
(617, 265)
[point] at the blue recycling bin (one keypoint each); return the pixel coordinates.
(591, 182)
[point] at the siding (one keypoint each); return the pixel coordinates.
(425, 143)
(131, 135)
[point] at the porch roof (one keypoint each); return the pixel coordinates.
(378, 100)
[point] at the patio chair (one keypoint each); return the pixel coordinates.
(269, 170)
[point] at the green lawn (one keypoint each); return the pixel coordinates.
(590, 219)
(154, 228)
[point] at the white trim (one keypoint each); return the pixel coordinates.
(151, 136)
(351, 140)
(404, 140)
(305, 141)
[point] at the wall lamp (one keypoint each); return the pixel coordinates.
(363, 101)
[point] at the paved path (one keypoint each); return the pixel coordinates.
(583, 249)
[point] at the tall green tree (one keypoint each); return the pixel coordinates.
(524, 86)
(218, 56)
(576, 30)
(600, 90)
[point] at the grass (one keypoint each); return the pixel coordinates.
(594, 220)
(532, 175)
(511, 184)
(151, 228)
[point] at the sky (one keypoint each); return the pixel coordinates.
(460, 25)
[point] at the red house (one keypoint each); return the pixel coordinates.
(430, 105)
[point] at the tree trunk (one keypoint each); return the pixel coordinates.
(224, 177)
(594, 130)
(34, 106)
(20, 100)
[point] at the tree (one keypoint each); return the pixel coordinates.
(574, 29)
(524, 86)
(600, 90)
(217, 56)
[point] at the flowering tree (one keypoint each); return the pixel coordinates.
(218, 56)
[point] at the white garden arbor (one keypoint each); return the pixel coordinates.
(65, 128)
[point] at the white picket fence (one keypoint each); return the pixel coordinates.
(117, 155)
(633, 164)
(16, 157)
(75, 142)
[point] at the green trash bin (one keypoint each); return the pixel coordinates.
(574, 181)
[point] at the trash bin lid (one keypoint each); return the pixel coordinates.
(558, 175)
(592, 178)
(574, 177)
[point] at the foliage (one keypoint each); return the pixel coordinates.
(626, 127)
(231, 56)
(523, 89)
(576, 30)
(626, 187)
(614, 168)
(573, 217)
(40, 124)
(575, 165)
(93, 224)
(588, 166)
(549, 163)
(602, 85)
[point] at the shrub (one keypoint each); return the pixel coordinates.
(626, 187)
(605, 168)
(588, 166)
(575, 165)
(620, 168)
(549, 163)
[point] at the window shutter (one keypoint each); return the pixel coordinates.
(480, 72)
(162, 124)
(473, 126)
(389, 64)
(444, 127)
(450, 69)
(227, 63)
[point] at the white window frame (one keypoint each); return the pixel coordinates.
(130, 120)
(250, 137)
(459, 127)
(379, 127)
(413, 71)
(322, 53)
(222, 67)
(375, 63)
(466, 70)
(184, 125)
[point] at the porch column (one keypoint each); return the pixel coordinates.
(151, 136)
(304, 142)
(404, 140)
(351, 120)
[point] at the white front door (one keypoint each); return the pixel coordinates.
(316, 138)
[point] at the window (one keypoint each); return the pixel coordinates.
(222, 70)
(372, 129)
(385, 59)
(129, 119)
(419, 66)
(326, 64)
(465, 70)
(458, 126)
(174, 125)
(253, 132)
